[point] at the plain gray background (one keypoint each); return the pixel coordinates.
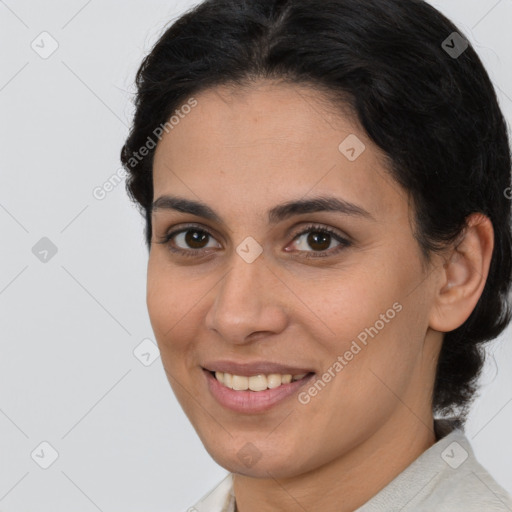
(71, 321)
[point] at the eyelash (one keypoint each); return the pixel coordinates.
(195, 253)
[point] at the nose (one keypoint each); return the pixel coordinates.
(248, 303)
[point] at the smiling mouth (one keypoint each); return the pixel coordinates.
(256, 383)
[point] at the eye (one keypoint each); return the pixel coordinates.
(192, 241)
(319, 238)
(188, 241)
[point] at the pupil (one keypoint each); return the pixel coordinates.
(195, 237)
(314, 238)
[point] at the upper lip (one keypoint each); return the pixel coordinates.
(254, 368)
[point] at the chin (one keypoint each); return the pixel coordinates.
(248, 460)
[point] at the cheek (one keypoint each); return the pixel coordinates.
(168, 302)
(368, 315)
(349, 303)
(380, 328)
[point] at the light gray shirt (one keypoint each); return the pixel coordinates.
(445, 478)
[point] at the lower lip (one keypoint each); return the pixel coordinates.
(252, 401)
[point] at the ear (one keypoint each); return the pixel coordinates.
(463, 275)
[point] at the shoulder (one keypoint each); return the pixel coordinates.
(445, 478)
(465, 484)
(467, 488)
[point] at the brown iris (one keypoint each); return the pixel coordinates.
(195, 237)
(319, 238)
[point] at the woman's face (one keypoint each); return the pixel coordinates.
(260, 289)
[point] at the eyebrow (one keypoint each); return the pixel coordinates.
(276, 214)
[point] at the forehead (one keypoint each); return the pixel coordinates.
(269, 140)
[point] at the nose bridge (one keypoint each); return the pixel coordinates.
(245, 301)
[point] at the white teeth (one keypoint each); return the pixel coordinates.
(240, 383)
(226, 379)
(286, 379)
(255, 382)
(274, 380)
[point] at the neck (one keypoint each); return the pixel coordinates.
(347, 482)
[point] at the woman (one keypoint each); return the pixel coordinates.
(324, 187)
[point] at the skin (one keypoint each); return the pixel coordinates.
(242, 153)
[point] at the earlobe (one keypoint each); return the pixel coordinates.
(463, 275)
